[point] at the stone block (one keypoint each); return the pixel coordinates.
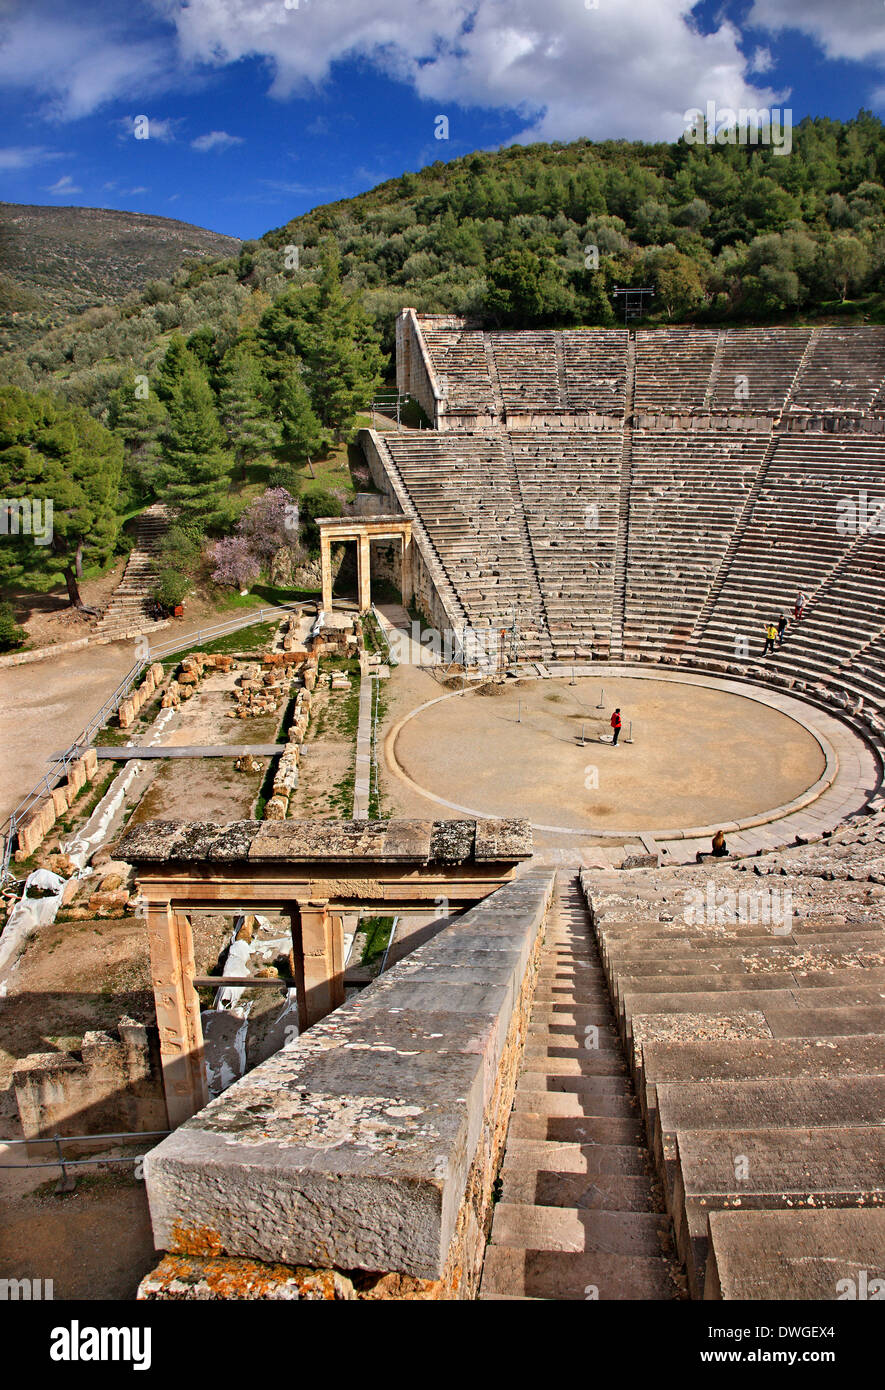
(370, 1143)
(90, 762)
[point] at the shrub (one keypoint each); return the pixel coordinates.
(171, 588)
(11, 635)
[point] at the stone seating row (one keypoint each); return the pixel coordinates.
(795, 538)
(474, 521)
(570, 495)
(758, 1064)
(687, 493)
(765, 370)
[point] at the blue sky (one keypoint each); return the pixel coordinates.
(261, 109)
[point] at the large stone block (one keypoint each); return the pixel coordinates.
(353, 1148)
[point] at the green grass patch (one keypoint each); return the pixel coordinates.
(245, 641)
(377, 930)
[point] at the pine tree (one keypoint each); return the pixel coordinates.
(171, 371)
(303, 434)
(64, 467)
(344, 356)
(245, 411)
(138, 423)
(195, 466)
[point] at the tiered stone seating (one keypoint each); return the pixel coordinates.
(596, 369)
(845, 618)
(579, 1215)
(757, 367)
(673, 367)
(865, 672)
(845, 371)
(578, 370)
(569, 488)
(527, 370)
(758, 1060)
(459, 359)
(461, 487)
(688, 491)
(792, 539)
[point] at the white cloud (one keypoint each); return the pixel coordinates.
(216, 140)
(626, 70)
(850, 29)
(26, 156)
(619, 70)
(762, 60)
(63, 186)
(78, 57)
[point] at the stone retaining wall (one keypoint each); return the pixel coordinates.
(114, 1086)
(426, 571)
(33, 830)
(360, 1161)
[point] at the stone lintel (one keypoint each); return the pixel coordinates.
(288, 841)
(351, 1148)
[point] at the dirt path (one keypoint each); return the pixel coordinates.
(45, 705)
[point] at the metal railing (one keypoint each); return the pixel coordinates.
(59, 766)
(66, 1182)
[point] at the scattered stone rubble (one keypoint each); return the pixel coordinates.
(189, 676)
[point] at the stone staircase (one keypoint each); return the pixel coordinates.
(580, 1215)
(127, 610)
(619, 607)
(759, 1065)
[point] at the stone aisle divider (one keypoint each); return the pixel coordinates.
(371, 1143)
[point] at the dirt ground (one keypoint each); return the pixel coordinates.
(75, 976)
(328, 759)
(209, 788)
(49, 618)
(44, 706)
(699, 756)
(93, 1243)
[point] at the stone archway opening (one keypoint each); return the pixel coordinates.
(364, 531)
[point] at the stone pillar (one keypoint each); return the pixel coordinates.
(318, 950)
(178, 1012)
(406, 570)
(363, 573)
(326, 570)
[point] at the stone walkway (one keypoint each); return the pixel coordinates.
(580, 1216)
(362, 782)
(210, 750)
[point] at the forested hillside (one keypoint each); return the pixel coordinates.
(56, 262)
(729, 233)
(238, 371)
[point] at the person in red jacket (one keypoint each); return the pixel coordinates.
(616, 726)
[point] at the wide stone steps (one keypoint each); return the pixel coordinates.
(580, 1216)
(759, 1066)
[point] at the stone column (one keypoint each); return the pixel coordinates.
(406, 570)
(178, 1012)
(318, 948)
(326, 570)
(363, 572)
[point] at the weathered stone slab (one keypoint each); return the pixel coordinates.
(426, 842)
(351, 1148)
(777, 1255)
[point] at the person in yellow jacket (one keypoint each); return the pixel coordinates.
(770, 638)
